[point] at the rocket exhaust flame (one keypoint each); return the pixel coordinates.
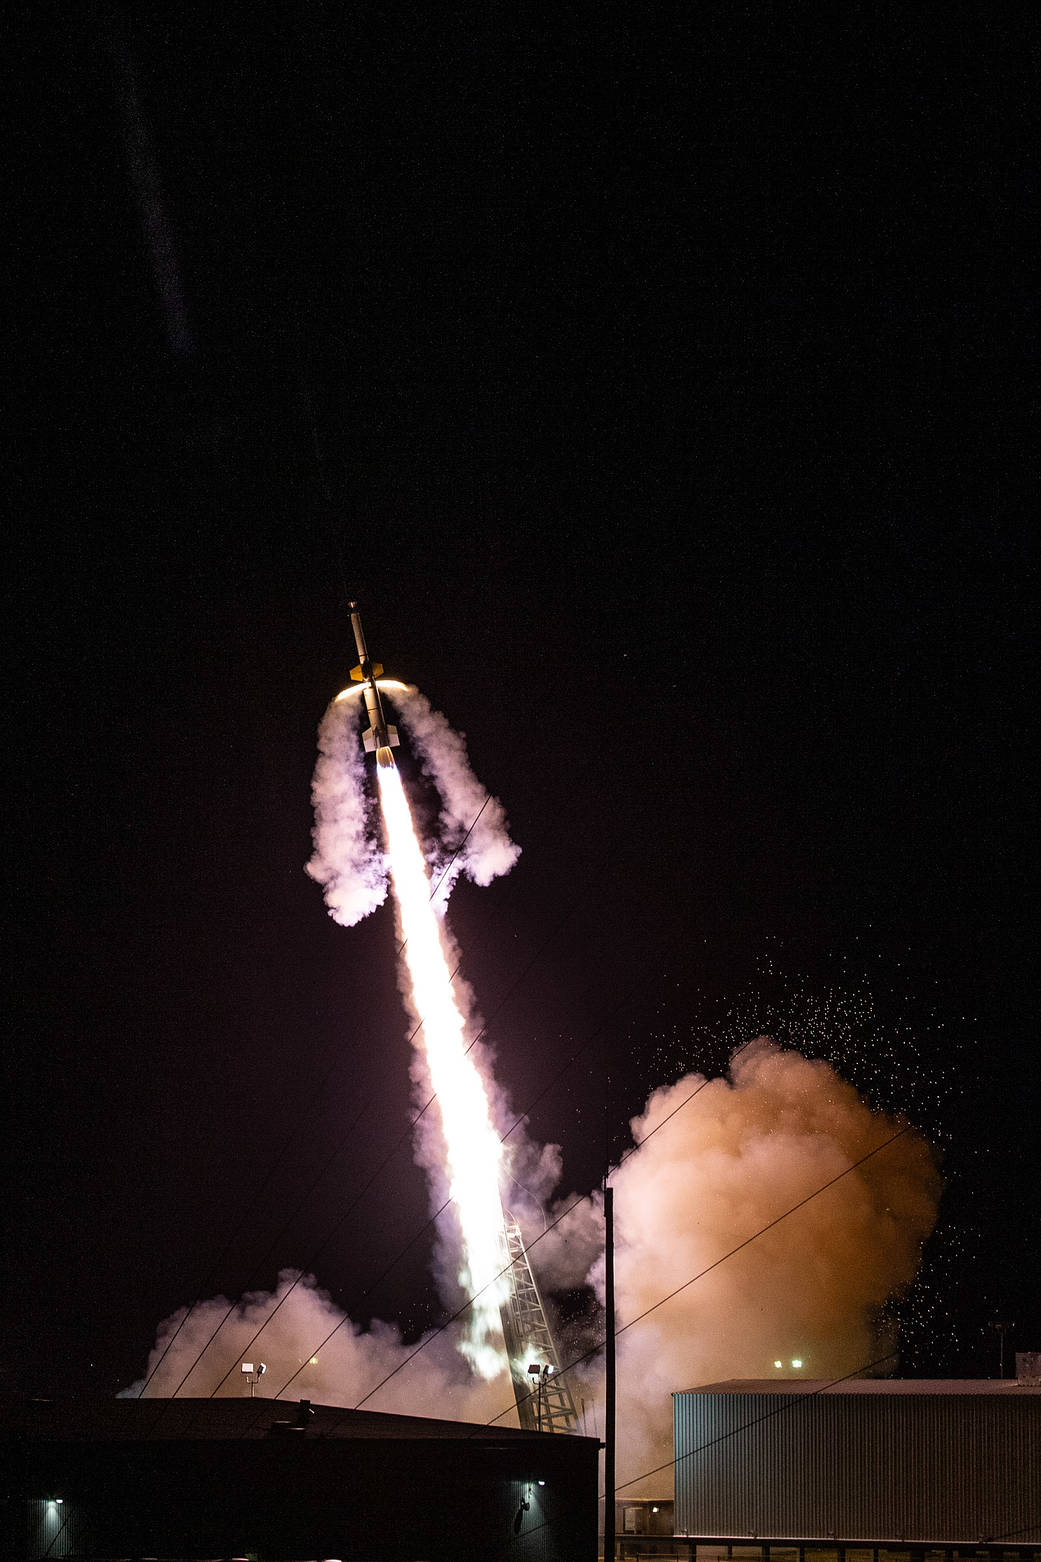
(473, 1153)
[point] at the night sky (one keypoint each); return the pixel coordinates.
(666, 393)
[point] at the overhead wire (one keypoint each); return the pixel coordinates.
(251, 1203)
(290, 1137)
(1010, 1534)
(437, 1213)
(429, 1102)
(405, 1136)
(315, 1254)
(593, 1350)
(792, 1403)
(553, 1224)
(58, 1532)
(789, 1404)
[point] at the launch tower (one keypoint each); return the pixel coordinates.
(543, 1395)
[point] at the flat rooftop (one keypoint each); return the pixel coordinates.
(200, 1420)
(781, 1385)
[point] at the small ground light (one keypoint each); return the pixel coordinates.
(797, 1362)
(778, 1364)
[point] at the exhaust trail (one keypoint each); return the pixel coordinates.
(472, 1150)
(458, 1145)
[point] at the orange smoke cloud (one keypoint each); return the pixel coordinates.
(739, 1155)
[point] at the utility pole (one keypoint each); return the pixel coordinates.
(609, 1413)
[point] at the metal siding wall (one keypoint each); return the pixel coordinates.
(52, 1530)
(859, 1467)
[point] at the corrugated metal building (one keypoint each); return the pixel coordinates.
(191, 1478)
(870, 1462)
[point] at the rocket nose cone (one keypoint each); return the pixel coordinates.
(385, 757)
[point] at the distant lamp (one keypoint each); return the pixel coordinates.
(797, 1362)
(778, 1365)
(542, 1483)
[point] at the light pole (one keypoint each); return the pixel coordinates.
(540, 1374)
(251, 1373)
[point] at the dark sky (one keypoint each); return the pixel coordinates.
(667, 395)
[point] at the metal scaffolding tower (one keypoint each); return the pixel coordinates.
(544, 1402)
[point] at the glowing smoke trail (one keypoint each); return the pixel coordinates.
(473, 825)
(472, 1150)
(353, 872)
(347, 862)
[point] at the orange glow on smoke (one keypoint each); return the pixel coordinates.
(356, 688)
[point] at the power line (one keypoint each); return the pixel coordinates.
(769, 1227)
(470, 1300)
(745, 1426)
(1011, 1533)
(250, 1205)
(458, 849)
(716, 1263)
(582, 1199)
(685, 1102)
(593, 1350)
(289, 1139)
(316, 1253)
(439, 1212)
(291, 1136)
(404, 1137)
(789, 1404)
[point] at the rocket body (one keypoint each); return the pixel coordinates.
(379, 737)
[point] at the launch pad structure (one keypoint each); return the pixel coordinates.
(544, 1399)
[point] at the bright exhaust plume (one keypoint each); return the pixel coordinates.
(472, 1151)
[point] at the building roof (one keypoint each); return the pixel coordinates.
(781, 1385)
(199, 1420)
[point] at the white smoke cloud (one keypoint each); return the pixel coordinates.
(346, 1369)
(347, 861)
(487, 852)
